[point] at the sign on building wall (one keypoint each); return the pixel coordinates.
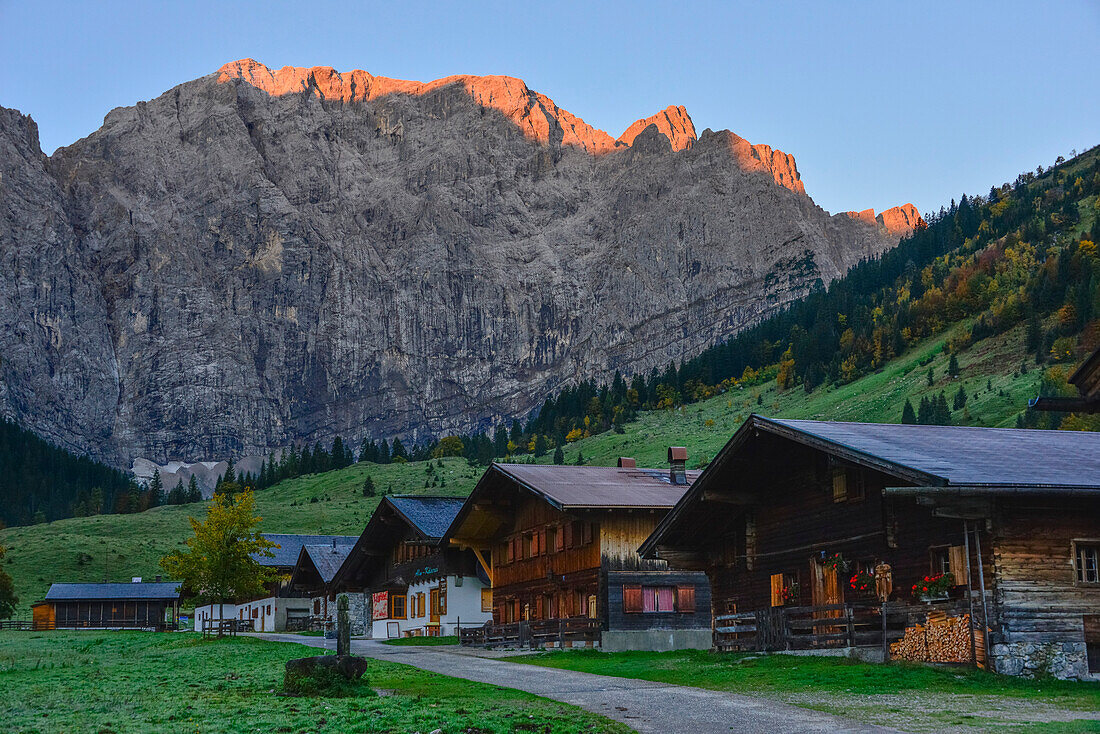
(380, 603)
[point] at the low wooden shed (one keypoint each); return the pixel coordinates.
(152, 605)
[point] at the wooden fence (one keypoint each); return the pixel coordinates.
(533, 633)
(824, 627)
(46, 625)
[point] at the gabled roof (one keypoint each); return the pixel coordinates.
(570, 488)
(598, 487)
(290, 546)
(956, 455)
(428, 517)
(152, 591)
(431, 516)
(327, 559)
(936, 458)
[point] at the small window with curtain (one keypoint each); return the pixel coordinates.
(397, 606)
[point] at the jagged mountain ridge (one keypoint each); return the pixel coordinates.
(258, 257)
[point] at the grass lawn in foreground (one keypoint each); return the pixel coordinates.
(423, 641)
(118, 682)
(910, 697)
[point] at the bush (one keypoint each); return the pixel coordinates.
(325, 682)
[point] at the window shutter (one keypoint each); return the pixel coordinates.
(685, 599)
(517, 547)
(587, 533)
(777, 589)
(957, 563)
(542, 542)
(632, 598)
(567, 535)
(559, 539)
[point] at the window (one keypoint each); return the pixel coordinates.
(641, 599)
(486, 600)
(420, 604)
(397, 606)
(840, 485)
(592, 606)
(1087, 561)
(950, 560)
(847, 485)
(552, 540)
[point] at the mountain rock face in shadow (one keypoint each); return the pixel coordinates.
(260, 257)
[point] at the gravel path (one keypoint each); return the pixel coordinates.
(645, 706)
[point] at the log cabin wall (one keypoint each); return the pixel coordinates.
(547, 565)
(801, 514)
(621, 532)
(1044, 608)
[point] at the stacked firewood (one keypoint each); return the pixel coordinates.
(941, 639)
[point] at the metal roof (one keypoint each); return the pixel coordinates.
(968, 456)
(430, 515)
(290, 546)
(598, 487)
(151, 591)
(327, 559)
(935, 458)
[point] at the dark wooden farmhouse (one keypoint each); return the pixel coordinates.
(802, 526)
(559, 544)
(413, 584)
(136, 605)
(1087, 381)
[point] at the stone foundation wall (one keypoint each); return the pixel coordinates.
(1066, 660)
(358, 612)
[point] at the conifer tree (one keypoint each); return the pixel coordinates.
(193, 492)
(398, 449)
(368, 487)
(931, 377)
(953, 366)
(924, 412)
(8, 599)
(907, 414)
(580, 458)
(156, 489)
(383, 452)
(960, 399)
(940, 410)
(559, 456)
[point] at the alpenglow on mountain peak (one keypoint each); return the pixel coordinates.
(262, 257)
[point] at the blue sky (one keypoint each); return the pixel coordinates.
(879, 102)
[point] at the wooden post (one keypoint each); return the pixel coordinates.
(981, 583)
(885, 646)
(851, 626)
(561, 634)
(343, 626)
(969, 593)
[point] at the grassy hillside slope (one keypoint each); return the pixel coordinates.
(78, 549)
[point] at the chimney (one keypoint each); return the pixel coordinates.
(158, 578)
(677, 465)
(625, 462)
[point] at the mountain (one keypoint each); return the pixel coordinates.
(259, 257)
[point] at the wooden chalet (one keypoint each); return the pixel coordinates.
(153, 605)
(411, 582)
(1087, 381)
(804, 527)
(559, 545)
(313, 575)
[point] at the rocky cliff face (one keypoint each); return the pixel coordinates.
(258, 257)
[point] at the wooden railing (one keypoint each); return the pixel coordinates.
(533, 633)
(46, 625)
(822, 627)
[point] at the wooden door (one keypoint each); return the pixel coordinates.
(434, 601)
(826, 591)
